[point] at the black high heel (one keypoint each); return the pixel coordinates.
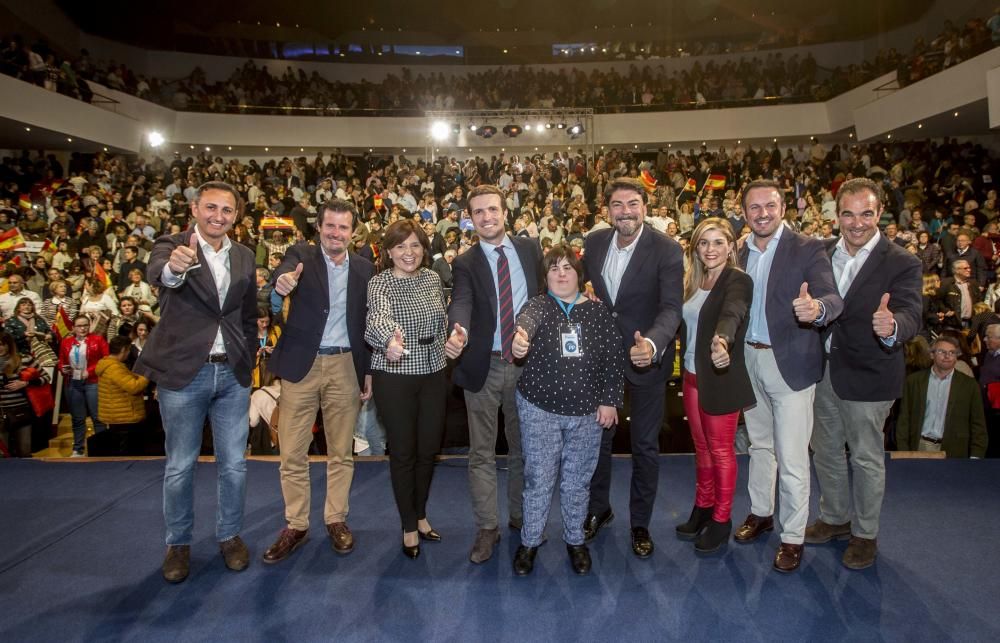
(430, 535)
(411, 551)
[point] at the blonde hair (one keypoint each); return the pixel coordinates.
(696, 269)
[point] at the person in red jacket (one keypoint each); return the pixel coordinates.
(78, 356)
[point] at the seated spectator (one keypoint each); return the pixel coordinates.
(139, 290)
(17, 371)
(120, 403)
(942, 410)
(25, 326)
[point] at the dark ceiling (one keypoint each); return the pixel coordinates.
(174, 25)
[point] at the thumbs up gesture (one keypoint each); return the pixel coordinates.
(882, 321)
(521, 344)
(287, 281)
(456, 343)
(395, 349)
(642, 353)
(183, 258)
(720, 352)
(806, 308)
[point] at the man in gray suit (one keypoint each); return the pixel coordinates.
(201, 355)
(794, 295)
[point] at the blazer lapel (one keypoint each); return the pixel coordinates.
(872, 264)
(600, 255)
(319, 268)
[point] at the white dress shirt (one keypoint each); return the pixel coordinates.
(219, 265)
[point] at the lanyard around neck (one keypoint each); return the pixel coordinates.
(566, 308)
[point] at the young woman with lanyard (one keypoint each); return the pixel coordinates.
(569, 391)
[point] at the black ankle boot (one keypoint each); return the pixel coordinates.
(713, 536)
(699, 518)
(524, 560)
(579, 558)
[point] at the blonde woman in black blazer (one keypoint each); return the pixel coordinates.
(717, 297)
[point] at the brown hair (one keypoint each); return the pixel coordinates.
(858, 185)
(696, 270)
(759, 183)
(484, 189)
(13, 364)
(624, 183)
(561, 251)
(396, 234)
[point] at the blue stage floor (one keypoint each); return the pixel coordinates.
(81, 546)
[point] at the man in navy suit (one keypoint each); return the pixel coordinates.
(486, 367)
(200, 356)
(638, 273)
(794, 296)
(880, 284)
(323, 362)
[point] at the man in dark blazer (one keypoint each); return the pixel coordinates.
(794, 296)
(964, 250)
(959, 293)
(323, 362)
(880, 284)
(481, 341)
(638, 273)
(948, 418)
(201, 355)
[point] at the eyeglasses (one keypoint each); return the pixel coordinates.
(946, 353)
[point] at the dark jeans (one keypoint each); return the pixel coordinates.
(82, 398)
(411, 408)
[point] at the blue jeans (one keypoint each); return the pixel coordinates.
(82, 398)
(369, 429)
(556, 447)
(214, 392)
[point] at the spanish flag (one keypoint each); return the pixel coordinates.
(101, 275)
(715, 182)
(11, 240)
(690, 186)
(648, 180)
(24, 201)
(62, 327)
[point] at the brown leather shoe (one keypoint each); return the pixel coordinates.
(235, 553)
(753, 527)
(820, 532)
(288, 541)
(341, 537)
(860, 553)
(788, 558)
(482, 549)
(177, 563)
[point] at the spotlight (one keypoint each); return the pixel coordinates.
(473, 127)
(487, 131)
(576, 130)
(155, 139)
(549, 125)
(527, 127)
(512, 130)
(440, 130)
(561, 125)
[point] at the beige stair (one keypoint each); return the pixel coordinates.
(61, 446)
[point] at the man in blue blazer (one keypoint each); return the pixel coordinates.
(499, 268)
(200, 356)
(881, 285)
(323, 362)
(638, 273)
(794, 296)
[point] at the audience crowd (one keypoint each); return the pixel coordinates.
(769, 78)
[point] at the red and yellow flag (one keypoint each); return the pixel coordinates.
(63, 326)
(690, 186)
(715, 182)
(24, 201)
(11, 240)
(101, 275)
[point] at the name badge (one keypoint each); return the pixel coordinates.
(569, 340)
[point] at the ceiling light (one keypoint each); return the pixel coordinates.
(267, 149)
(27, 129)
(473, 127)
(920, 126)
(561, 125)
(527, 127)
(487, 131)
(956, 114)
(440, 130)
(512, 130)
(208, 149)
(69, 140)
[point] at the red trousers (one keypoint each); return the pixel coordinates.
(714, 455)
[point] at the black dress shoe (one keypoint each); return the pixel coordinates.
(430, 535)
(642, 543)
(594, 522)
(713, 536)
(699, 518)
(524, 560)
(411, 552)
(579, 558)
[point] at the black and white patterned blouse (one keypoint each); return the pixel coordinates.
(572, 385)
(416, 306)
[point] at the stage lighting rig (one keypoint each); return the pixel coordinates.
(512, 130)
(487, 131)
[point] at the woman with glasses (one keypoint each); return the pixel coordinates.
(78, 357)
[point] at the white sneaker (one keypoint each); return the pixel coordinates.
(78, 454)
